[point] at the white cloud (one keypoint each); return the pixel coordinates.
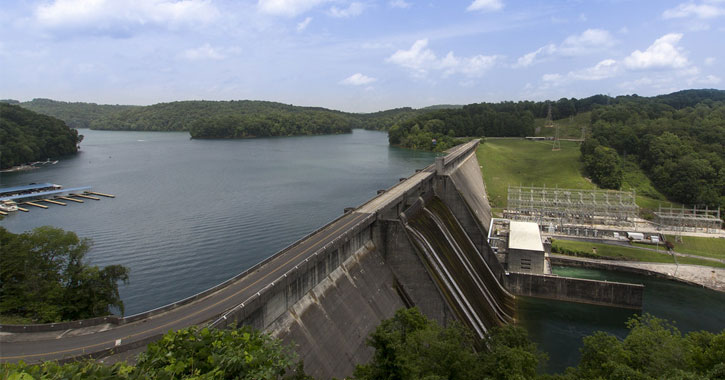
(690, 9)
(551, 77)
(602, 70)
(607, 68)
(421, 60)
(663, 53)
(357, 79)
(417, 57)
(529, 58)
(709, 61)
(205, 51)
(289, 8)
(399, 4)
(589, 41)
(485, 5)
(303, 24)
(124, 14)
(354, 9)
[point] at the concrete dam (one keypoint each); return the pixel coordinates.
(422, 242)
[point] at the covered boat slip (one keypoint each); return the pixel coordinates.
(33, 194)
(39, 194)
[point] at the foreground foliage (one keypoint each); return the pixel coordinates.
(653, 349)
(411, 346)
(44, 278)
(26, 136)
(190, 353)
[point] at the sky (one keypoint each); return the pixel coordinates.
(357, 55)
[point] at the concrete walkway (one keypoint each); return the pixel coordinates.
(709, 277)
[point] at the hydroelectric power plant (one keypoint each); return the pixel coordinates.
(422, 242)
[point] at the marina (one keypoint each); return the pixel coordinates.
(36, 194)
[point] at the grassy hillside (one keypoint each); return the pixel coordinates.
(518, 162)
(569, 128)
(521, 162)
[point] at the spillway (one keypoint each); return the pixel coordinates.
(462, 275)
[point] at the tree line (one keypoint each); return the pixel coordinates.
(679, 142)
(26, 136)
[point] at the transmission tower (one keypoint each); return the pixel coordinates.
(549, 119)
(557, 144)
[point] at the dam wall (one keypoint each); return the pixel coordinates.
(593, 292)
(260, 310)
(329, 325)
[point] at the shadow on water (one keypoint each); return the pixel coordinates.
(558, 327)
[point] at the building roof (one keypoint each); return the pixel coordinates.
(15, 189)
(44, 193)
(525, 235)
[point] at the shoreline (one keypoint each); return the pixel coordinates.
(702, 276)
(18, 168)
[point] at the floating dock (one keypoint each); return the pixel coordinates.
(34, 194)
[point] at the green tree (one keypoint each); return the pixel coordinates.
(653, 349)
(45, 278)
(410, 346)
(604, 166)
(191, 353)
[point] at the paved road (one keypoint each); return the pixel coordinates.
(194, 313)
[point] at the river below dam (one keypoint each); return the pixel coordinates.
(189, 214)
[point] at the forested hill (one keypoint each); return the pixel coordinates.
(27, 136)
(75, 114)
(677, 139)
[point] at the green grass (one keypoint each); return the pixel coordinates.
(526, 163)
(700, 246)
(616, 252)
(519, 162)
(569, 128)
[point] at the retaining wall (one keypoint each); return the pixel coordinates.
(576, 290)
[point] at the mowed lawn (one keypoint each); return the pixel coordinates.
(618, 252)
(529, 163)
(700, 246)
(518, 162)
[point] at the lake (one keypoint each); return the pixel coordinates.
(189, 214)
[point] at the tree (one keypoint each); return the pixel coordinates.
(410, 346)
(45, 278)
(603, 166)
(653, 349)
(191, 353)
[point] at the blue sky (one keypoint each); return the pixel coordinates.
(356, 55)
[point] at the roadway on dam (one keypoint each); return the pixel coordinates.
(194, 313)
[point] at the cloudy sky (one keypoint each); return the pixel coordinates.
(357, 55)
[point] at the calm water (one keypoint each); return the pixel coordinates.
(558, 327)
(189, 214)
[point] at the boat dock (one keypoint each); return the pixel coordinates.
(39, 195)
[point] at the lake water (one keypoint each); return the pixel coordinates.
(558, 327)
(189, 214)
